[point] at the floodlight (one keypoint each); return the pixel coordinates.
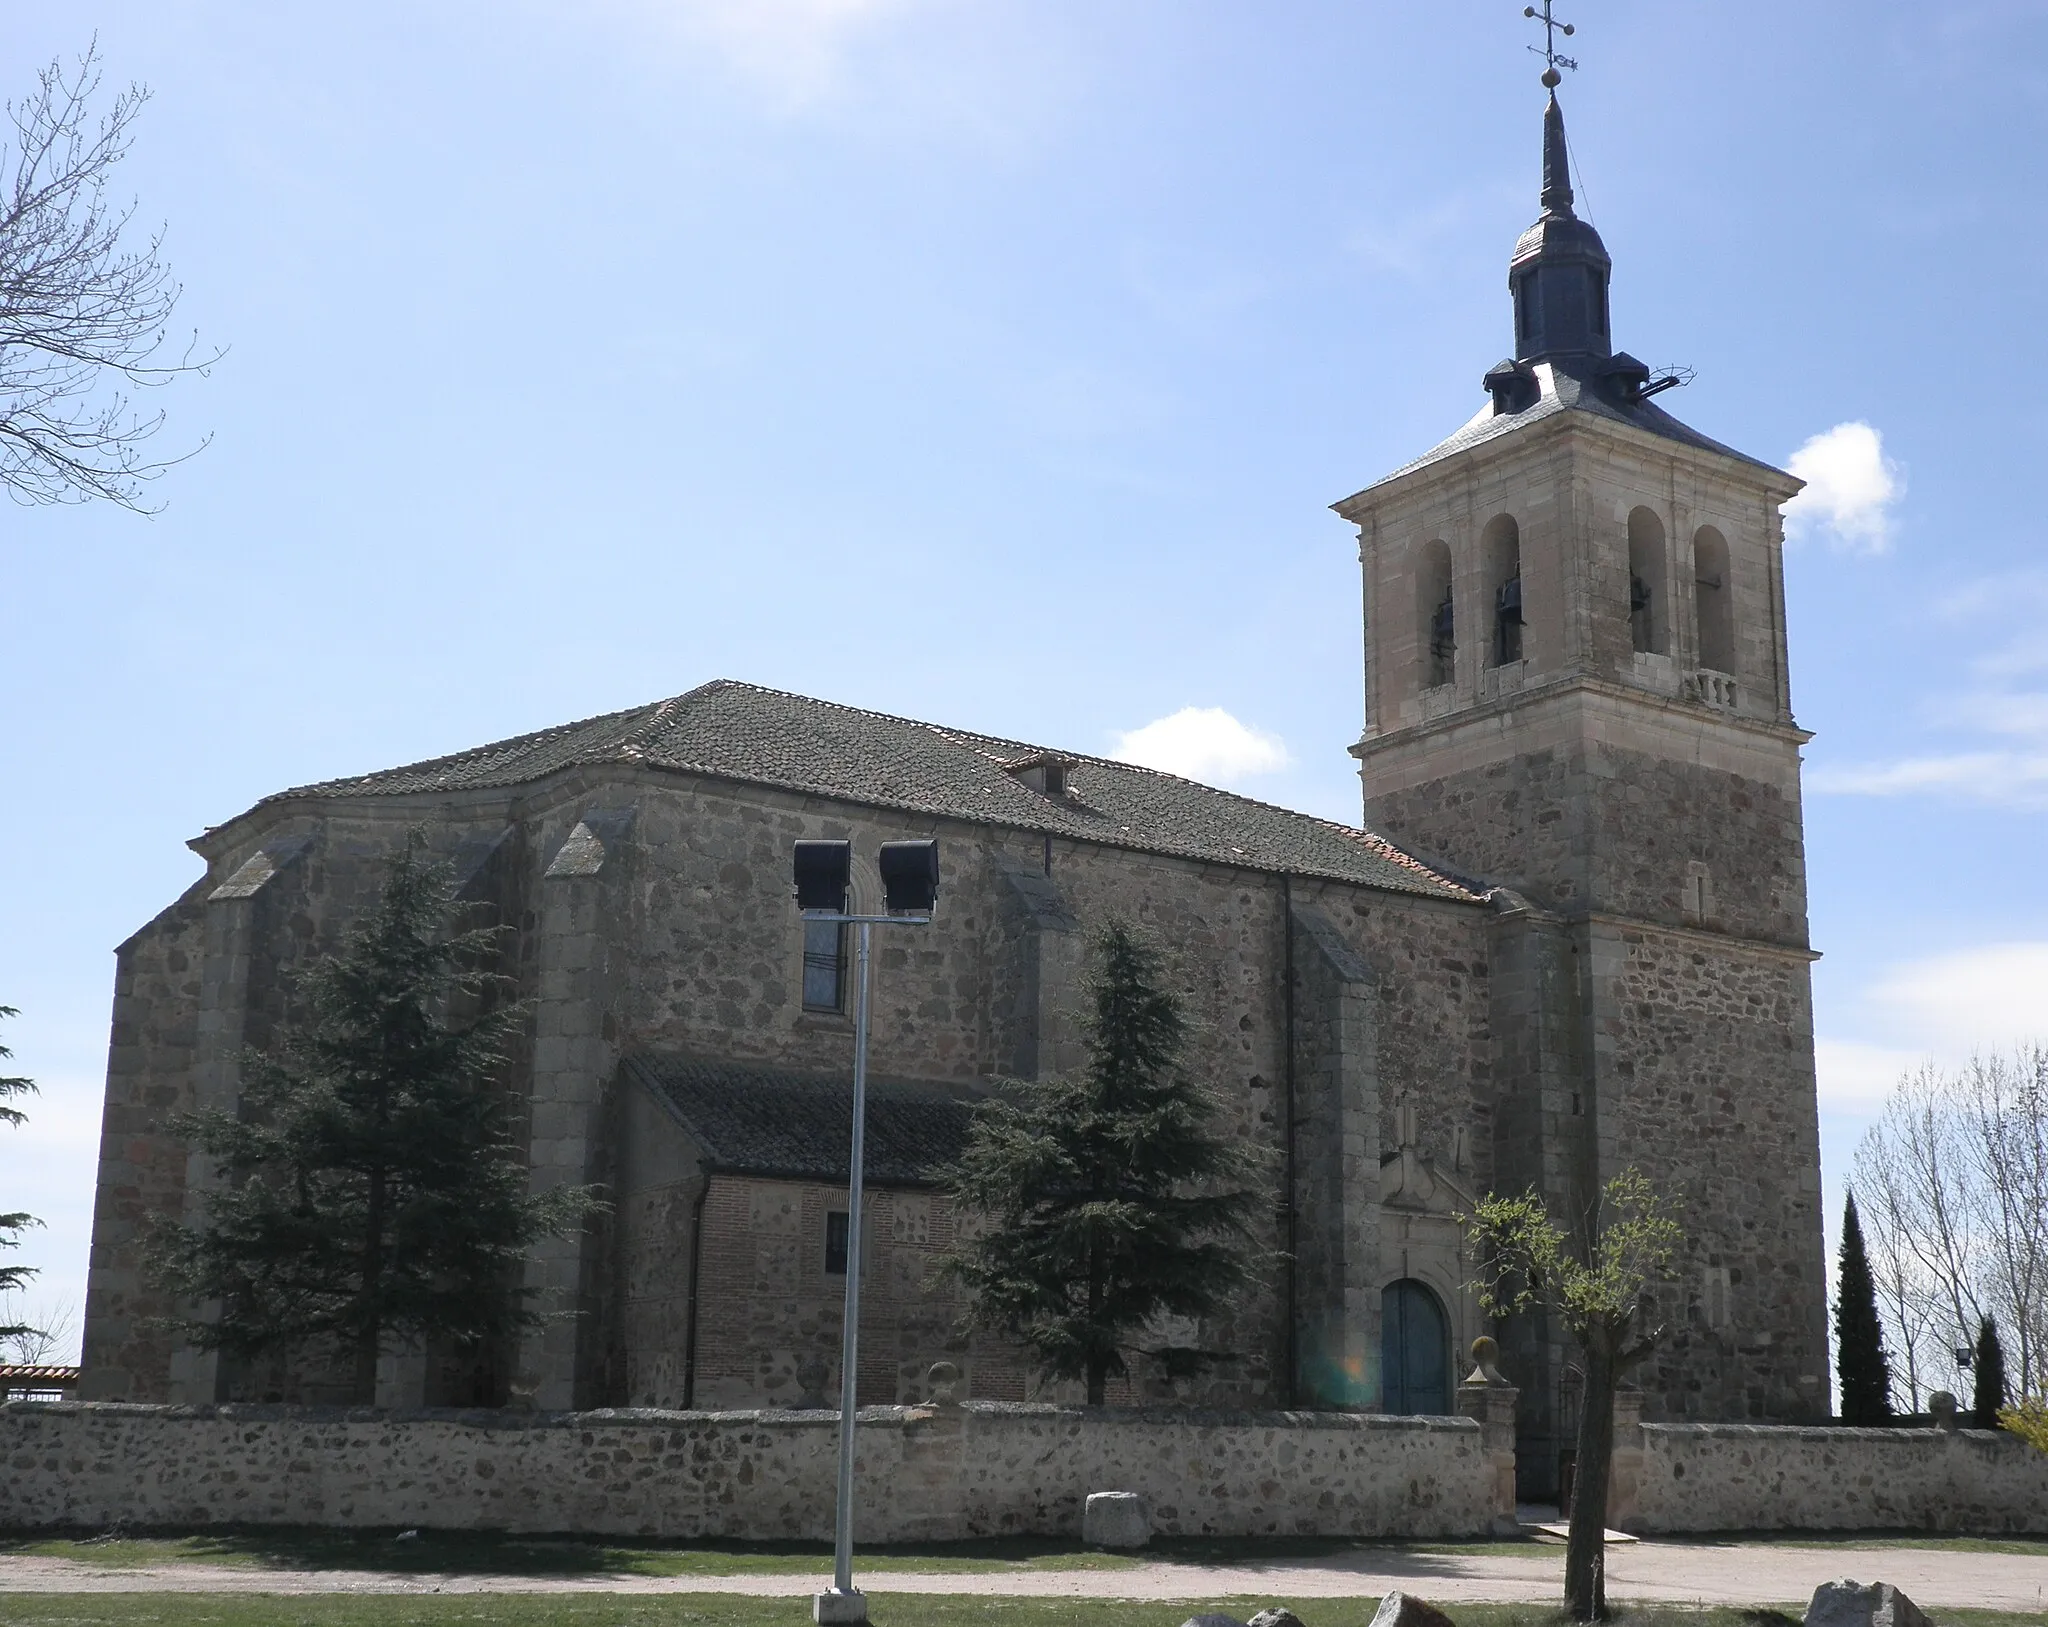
(910, 877)
(824, 871)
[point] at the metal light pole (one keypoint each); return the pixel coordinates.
(910, 886)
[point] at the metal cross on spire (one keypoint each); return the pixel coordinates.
(1548, 49)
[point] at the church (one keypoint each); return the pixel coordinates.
(1567, 937)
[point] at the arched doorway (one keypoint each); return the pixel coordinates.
(1415, 1350)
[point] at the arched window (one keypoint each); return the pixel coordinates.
(1714, 595)
(1439, 628)
(1415, 1350)
(1649, 618)
(1500, 544)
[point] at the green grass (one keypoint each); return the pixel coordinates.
(466, 1553)
(725, 1610)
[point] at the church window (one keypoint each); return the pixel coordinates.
(1438, 616)
(1525, 325)
(1712, 598)
(1596, 298)
(1415, 1350)
(835, 1244)
(824, 966)
(1648, 620)
(1501, 544)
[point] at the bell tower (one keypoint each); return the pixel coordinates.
(1576, 692)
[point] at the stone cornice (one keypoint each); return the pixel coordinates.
(1557, 688)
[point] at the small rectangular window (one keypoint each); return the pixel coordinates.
(835, 1243)
(824, 966)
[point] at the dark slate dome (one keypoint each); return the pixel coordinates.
(1560, 269)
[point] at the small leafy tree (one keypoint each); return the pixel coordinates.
(1107, 1198)
(1991, 1392)
(1597, 1280)
(1860, 1359)
(13, 1277)
(371, 1192)
(2028, 1420)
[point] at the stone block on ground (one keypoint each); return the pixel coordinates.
(835, 1609)
(1399, 1609)
(1278, 1616)
(1850, 1603)
(1212, 1618)
(1117, 1519)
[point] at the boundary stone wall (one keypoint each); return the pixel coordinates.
(1749, 1477)
(922, 1474)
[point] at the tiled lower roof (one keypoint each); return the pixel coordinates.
(767, 737)
(756, 1120)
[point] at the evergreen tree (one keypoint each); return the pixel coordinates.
(1109, 1198)
(1992, 1392)
(1860, 1359)
(371, 1194)
(13, 1277)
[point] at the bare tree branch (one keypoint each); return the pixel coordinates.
(83, 317)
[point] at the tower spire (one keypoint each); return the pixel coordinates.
(1557, 166)
(1559, 272)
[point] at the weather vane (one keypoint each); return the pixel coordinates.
(1548, 49)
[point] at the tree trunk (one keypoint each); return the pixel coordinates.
(1098, 1381)
(1585, 1555)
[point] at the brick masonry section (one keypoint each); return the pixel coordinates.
(923, 1473)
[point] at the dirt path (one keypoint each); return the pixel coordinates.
(1669, 1572)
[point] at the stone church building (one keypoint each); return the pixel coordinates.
(1569, 936)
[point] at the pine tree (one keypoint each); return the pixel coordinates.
(1992, 1392)
(13, 1277)
(371, 1194)
(1860, 1358)
(1108, 1199)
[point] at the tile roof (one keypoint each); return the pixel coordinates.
(754, 1120)
(766, 737)
(1562, 393)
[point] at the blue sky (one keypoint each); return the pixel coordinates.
(994, 361)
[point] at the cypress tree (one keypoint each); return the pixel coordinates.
(1108, 1199)
(1859, 1339)
(372, 1195)
(1991, 1392)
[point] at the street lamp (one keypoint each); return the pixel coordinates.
(910, 890)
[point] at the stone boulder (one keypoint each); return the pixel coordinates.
(1278, 1616)
(1405, 1610)
(1117, 1519)
(1855, 1604)
(1212, 1618)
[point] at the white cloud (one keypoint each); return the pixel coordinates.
(793, 49)
(1972, 999)
(2009, 778)
(1940, 1009)
(1855, 1075)
(1202, 743)
(1850, 489)
(1995, 735)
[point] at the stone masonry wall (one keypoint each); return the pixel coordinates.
(922, 1474)
(1738, 1477)
(1705, 1073)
